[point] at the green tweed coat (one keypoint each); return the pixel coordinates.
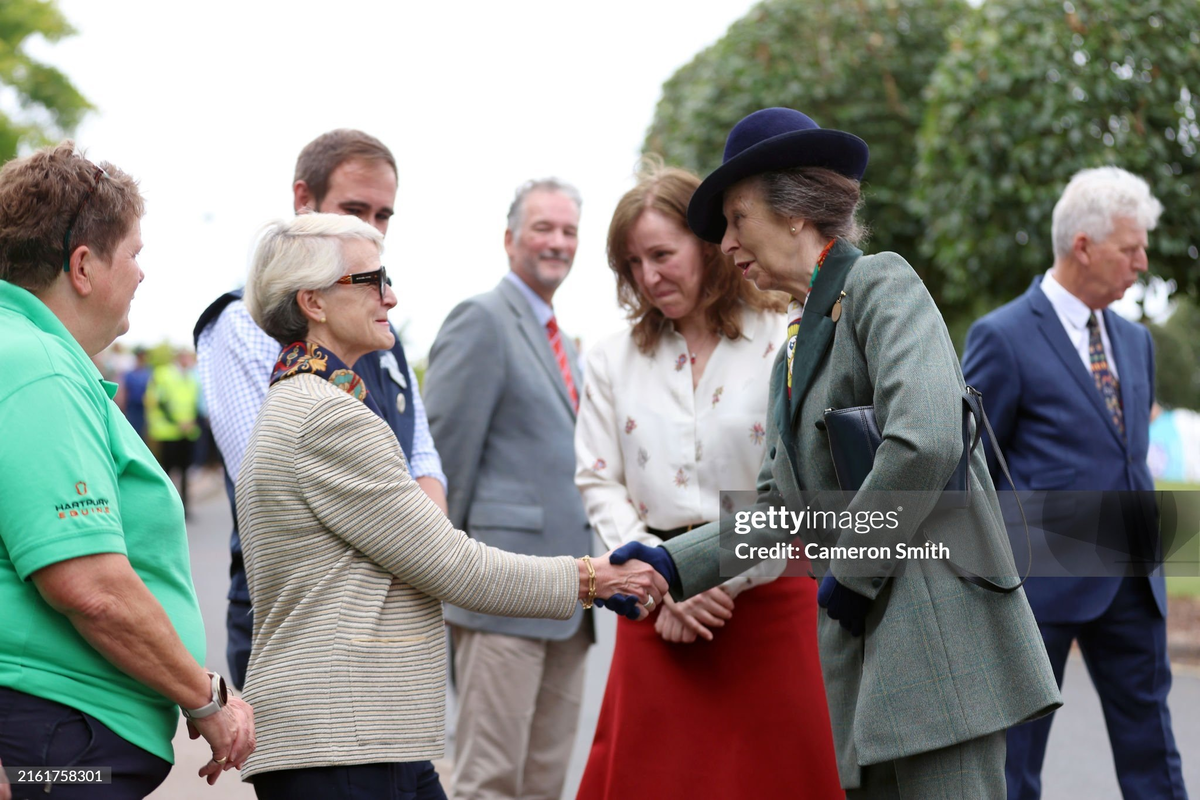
(942, 661)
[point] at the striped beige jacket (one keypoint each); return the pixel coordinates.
(348, 564)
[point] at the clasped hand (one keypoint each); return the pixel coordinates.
(634, 605)
(230, 734)
(682, 622)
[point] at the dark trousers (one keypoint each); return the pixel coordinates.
(1125, 650)
(239, 628)
(178, 455)
(41, 733)
(415, 780)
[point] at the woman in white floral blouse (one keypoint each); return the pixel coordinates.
(674, 412)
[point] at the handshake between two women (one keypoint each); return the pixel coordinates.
(630, 580)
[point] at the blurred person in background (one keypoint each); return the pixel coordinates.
(348, 560)
(102, 642)
(134, 386)
(503, 391)
(674, 412)
(172, 399)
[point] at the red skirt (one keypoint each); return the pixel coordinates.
(742, 716)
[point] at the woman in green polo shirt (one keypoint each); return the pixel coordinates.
(102, 640)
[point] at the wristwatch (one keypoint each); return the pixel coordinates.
(220, 696)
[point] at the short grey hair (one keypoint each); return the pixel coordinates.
(304, 252)
(516, 211)
(827, 200)
(1093, 198)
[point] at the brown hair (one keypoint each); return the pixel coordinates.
(668, 190)
(327, 152)
(38, 195)
(826, 199)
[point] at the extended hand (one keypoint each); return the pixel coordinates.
(697, 616)
(5, 789)
(847, 606)
(632, 587)
(656, 557)
(230, 734)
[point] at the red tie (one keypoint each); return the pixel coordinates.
(560, 354)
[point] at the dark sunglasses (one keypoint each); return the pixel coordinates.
(375, 278)
(99, 173)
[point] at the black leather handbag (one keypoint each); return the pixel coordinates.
(854, 437)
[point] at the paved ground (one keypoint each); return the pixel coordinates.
(1078, 763)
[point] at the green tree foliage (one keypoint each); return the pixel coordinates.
(1029, 92)
(1177, 357)
(856, 65)
(40, 105)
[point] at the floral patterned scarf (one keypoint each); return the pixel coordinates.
(300, 358)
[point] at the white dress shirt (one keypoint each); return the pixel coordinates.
(652, 452)
(1073, 313)
(235, 358)
(542, 310)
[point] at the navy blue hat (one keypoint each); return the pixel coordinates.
(771, 139)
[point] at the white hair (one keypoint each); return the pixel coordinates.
(304, 252)
(516, 211)
(1093, 198)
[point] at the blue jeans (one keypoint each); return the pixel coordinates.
(41, 733)
(413, 780)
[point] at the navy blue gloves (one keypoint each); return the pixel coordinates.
(623, 604)
(657, 557)
(847, 606)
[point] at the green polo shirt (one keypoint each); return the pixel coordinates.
(77, 480)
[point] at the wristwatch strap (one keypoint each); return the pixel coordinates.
(219, 696)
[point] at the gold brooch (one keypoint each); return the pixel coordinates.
(836, 312)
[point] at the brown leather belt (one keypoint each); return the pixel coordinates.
(671, 534)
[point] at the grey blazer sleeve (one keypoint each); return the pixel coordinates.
(463, 385)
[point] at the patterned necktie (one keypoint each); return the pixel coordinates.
(1109, 387)
(560, 355)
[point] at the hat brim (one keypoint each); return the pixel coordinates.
(839, 151)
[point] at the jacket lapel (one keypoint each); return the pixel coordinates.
(538, 341)
(1056, 336)
(778, 408)
(816, 327)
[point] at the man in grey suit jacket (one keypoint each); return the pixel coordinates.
(502, 392)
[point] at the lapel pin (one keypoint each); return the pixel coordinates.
(401, 403)
(836, 312)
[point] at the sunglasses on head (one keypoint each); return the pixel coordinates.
(375, 277)
(96, 176)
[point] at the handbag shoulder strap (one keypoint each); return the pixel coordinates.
(973, 400)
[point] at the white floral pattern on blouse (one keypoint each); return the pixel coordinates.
(645, 423)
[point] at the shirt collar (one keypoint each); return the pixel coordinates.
(541, 309)
(1065, 304)
(26, 304)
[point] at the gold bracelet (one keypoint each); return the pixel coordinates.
(587, 562)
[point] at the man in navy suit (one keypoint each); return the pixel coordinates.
(1068, 385)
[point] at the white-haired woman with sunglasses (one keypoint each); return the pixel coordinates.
(347, 559)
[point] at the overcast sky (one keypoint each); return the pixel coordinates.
(209, 104)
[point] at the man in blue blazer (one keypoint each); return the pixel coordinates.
(1068, 385)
